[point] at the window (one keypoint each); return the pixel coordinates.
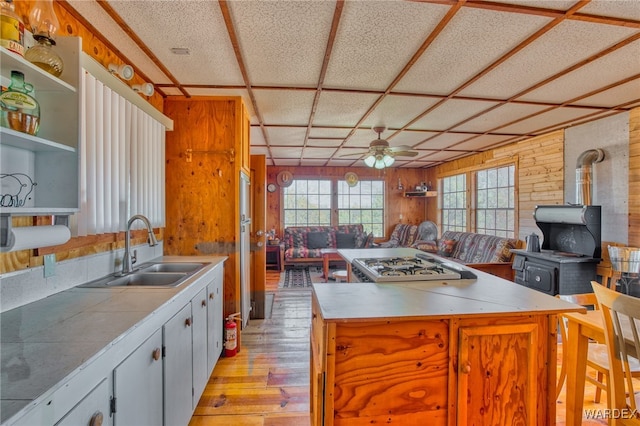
(311, 202)
(454, 203)
(362, 203)
(495, 201)
(307, 203)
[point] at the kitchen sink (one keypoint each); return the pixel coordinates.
(171, 267)
(150, 275)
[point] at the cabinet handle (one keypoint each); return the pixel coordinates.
(211, 296)
(204, 303)
(156, 354)
(96, 419)
(188, 322)
(466, 369)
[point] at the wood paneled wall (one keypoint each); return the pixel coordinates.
(412, 210)
(539, 165)
(634, 178)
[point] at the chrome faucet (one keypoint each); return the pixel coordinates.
(129, 260)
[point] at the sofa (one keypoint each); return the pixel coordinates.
(405, 235)
(303, 244)
(486, 253)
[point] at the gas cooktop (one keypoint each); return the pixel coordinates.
(388, 269)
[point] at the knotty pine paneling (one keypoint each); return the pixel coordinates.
(412, 210)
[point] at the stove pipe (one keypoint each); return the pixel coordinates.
(584, 174)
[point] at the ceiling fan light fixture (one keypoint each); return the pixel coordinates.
(388, 160)
(370, 160)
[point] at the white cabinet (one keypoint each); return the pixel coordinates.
(93, 410)
(50, 159)
(199, 336)
(215, 319)
(137, 385)
(178, 368)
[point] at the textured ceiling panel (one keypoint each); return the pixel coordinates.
(325, 132)
(256, 136)
(443, 141)
(481, 143)
(411, 138)
(375, 39)
(342, 109)
(616, 96)
(363, 137)
(609, 69)
(547, 119)
(286, 152)
(103, 23)
(257, 150)
(292, 107)
(283, 42)
(473, 40)
(336, 162)
(616, 9)
(451, 113)
(318, 152)
(499, 116)
(162, 27)
(547, 4)
(289, 136)
(396, 111)
(560, 48)
(324, 142)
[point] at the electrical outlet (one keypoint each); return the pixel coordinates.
(49, 265)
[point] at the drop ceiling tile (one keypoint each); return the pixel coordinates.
(350, 153)
(288, 107)
(561, 47)
(451, 113)
(318, 152)
(499, 117)
(444, 140)
(615, 96)
(171, 91)
(257, 150)
(628, 9)
(334, 162)
(306, 162)
(286, 162)
(342, 109)
(473, 40)
(410, 137)
(546, 4)
(323, 143)
(608, 69)
(95, 14)
(328, 132)
(211, 60)
(256, 137)
(482, 143)
(286, 152)
(283, 42)
(546, 120)
(363, 137)
(375, 39)
(289, 136)
(397, 110)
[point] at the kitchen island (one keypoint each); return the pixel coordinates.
(441, 352)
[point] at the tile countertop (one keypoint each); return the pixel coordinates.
(45, 343)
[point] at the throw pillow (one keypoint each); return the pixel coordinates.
(361, 238)
(344, 240)
(445, 247)
(428, 246)
(369, 241)
(318, 240)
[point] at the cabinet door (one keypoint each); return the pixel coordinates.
(93, 408)
(215, 320)
(178, 367)
(497, 374)
(200, 365)
(137, 385)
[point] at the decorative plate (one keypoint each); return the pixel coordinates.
(271, 187)
(284, 178)
(351, 178)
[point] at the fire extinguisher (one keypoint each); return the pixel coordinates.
(230, 336)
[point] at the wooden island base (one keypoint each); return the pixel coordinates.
(462, 368)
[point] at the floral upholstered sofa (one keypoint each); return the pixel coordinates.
(486, 253)
(304, 243)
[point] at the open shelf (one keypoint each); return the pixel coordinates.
(420, 194)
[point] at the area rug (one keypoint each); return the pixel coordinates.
(297, 278)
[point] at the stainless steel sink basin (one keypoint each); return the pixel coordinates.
(151, 275)
(172, 267)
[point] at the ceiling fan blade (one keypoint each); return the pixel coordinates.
(353, 154)
(405, 153)
(395, 149)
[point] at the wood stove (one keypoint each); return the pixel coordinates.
(571, 249)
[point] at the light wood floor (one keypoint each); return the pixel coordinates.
(267, 382)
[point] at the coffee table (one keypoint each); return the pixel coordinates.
(328, 254)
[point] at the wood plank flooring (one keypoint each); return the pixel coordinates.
(267, 382)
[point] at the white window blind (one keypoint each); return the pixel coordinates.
(121, 162)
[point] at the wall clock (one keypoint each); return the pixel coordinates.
(271, 187)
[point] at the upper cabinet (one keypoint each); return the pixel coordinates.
(40, 173)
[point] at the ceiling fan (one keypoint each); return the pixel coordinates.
(380, 154)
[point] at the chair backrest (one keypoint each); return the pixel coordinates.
(427, 231)
(604, 268)
(621, 317)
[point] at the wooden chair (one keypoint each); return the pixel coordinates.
(617, 309)
(604, 269)
(597, 357)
